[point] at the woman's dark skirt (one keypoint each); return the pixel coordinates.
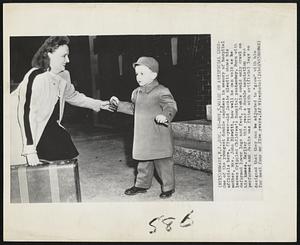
(56, 143)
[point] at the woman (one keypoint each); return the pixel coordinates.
(38, 105)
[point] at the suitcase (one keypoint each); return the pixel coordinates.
(56, 181)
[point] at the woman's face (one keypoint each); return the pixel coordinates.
(59, 58)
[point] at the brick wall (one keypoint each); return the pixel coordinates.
(203, 75)
(195, 54)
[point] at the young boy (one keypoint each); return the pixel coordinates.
(153, 107)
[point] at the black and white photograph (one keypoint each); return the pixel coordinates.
(149, 122)
(111, 118)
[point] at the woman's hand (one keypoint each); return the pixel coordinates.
(105, 105)
(32, 159)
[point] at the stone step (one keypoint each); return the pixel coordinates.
(193, 144)
(199, 130)
(193, 154)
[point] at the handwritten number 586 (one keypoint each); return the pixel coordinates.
(185, 222)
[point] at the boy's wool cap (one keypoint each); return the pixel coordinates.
(150, 62)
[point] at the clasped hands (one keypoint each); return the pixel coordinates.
(109, 105)
(114, 103)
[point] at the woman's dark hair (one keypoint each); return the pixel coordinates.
(41, 59)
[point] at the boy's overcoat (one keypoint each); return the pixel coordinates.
(151, 140)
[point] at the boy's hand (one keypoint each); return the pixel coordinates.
(114, 100)
(161, 119)
(114, 103)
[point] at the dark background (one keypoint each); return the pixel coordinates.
(189, 81)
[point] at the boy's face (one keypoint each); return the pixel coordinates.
(144, 75)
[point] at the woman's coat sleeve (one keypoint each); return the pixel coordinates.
(30, 100)
(76, 98)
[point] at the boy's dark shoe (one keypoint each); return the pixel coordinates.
(135, 190)
(166, 194)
